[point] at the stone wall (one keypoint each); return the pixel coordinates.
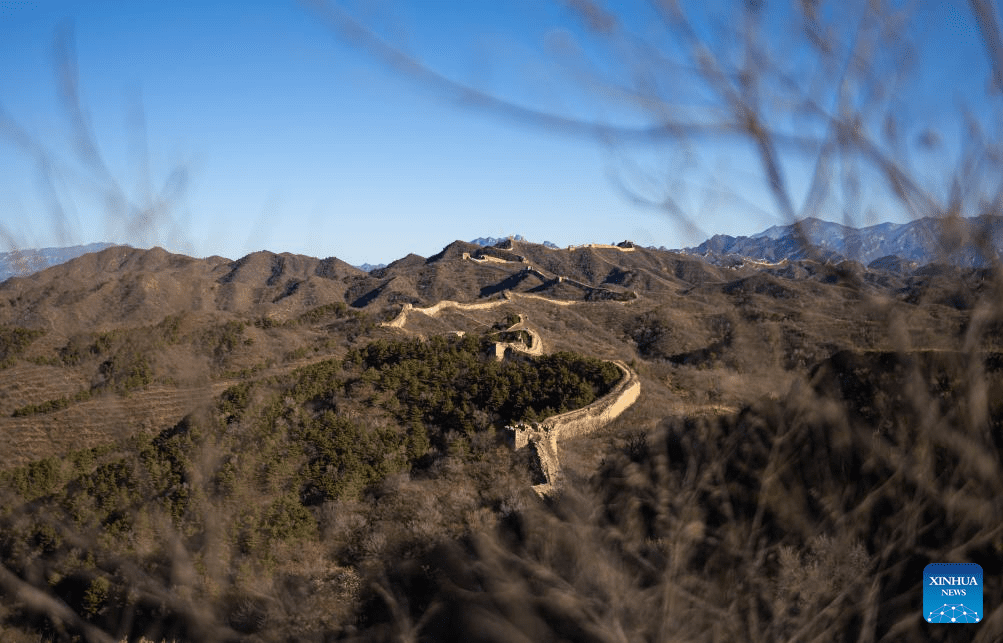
(535, 346)
(433, 310)
(599, 413)
(605, 246)
(400, 319)
(492, 259)
(574, 424)
(556, 302)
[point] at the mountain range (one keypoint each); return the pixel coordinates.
(494, 241)
(479, 241)
(282, 447)
(145, 286)
(900, 247)
(973, 242)
(26, 262)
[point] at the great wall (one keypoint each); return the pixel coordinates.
(623, 246)
(543, 437)
(433, 310)
(528, 268)
(534, 347)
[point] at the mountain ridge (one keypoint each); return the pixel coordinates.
(146, 285)
(279, 406)
(19, 263)
(494, 241)
(974, 242)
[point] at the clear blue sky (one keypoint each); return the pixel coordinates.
(291, 138)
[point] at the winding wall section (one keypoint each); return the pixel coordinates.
(575, 423)
(434, 309)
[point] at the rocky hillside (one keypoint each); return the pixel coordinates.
(266, 449)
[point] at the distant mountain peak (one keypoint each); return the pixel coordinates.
(918, 242)
(494, 241)
(21, 263)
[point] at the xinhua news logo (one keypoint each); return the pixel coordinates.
(952, 593)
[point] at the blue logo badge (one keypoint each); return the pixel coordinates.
(952, 593)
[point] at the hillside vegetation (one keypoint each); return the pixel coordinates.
(279, 467)
(266, 465)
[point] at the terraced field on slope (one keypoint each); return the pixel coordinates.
(104, 418)
(99, 421)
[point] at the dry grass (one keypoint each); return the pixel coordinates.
(806, 443)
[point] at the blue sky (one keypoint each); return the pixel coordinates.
(263, 129)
